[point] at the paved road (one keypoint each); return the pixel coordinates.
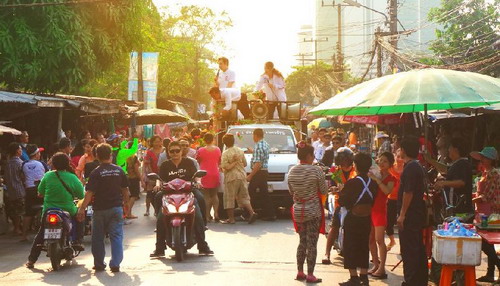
(259, 254)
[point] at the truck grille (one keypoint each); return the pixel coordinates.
(276, 177)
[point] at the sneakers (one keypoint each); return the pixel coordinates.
(157, 253)
(205, 251)
(99, 268)
(115, 269)
(252, 218)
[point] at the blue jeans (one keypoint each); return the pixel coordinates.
(110, 222)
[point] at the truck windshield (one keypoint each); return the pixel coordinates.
(281, 141)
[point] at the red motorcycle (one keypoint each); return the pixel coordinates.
(178, 208)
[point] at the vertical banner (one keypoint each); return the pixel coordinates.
(149, 82)
(149, 78)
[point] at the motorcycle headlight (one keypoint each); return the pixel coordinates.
(171, 208)
(183, 208)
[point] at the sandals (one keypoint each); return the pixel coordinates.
(313, 279)
(390, 246)
(383, 276)
(301, 276)
(227, 222)
(30, 265)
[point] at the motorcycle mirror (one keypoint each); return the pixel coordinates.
(153, 176)
(200, 174)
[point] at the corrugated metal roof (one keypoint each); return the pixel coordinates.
(15, 97)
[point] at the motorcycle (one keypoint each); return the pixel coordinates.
(58, 237)
(178, 208)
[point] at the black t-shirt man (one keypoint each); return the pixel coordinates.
(461, 169)
(185, 170)
(412, 181)
(107, 182)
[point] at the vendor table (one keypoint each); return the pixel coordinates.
(490, 233)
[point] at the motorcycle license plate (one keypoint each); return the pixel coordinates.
(52, 233)
(90, 211)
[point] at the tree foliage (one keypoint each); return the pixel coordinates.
(313, 85)
(60, 48)
(185, 40)
(468, 32)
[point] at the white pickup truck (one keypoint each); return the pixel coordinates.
(282, 155)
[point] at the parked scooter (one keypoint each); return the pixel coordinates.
(58, 237)
(178, 208)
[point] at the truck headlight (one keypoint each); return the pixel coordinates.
(171, 208)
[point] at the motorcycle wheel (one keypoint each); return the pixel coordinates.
(54, 252)
(179, 248)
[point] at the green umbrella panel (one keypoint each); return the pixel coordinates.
(414, 91)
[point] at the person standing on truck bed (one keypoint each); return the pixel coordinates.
(258, 175)
(225, 77)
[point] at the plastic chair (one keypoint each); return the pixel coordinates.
(447, 274)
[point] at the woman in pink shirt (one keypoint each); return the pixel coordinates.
(88, 157)
(209, 159)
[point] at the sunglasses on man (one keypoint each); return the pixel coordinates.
(174, 151)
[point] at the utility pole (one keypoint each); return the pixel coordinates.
(393, 29)
(379, 53)
(325, 39)
(302, 57)
(340, 56)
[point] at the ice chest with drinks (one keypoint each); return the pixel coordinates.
(456, 250)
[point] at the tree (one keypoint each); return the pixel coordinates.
(60, 48)
(468, 34)
(312, 85)
(184, 40)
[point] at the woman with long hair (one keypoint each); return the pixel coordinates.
(392, 199)
(272, 83)
(306, 185)
(86, 158)
(150, 165)
(209, 159)
(386, 185)
(57, 194)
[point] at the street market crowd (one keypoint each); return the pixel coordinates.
(365, 194)
(370, 198)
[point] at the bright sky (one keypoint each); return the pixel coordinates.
(263, 30)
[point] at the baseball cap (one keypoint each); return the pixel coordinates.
(487, 152)
(32, 149)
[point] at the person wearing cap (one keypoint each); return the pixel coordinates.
(384, 142)
(487, 201)
(33, 171)
(458, 176)
(24, 139)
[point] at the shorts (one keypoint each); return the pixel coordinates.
(134, 186)
(235, 190)
(379, 219)
(150, 195)
(30, 201)
(335, 223)
(15, 207)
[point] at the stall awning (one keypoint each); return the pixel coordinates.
(23, 98)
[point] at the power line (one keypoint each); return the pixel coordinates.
(75, 2)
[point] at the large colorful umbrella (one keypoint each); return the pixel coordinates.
(5, 129)
(414, 91)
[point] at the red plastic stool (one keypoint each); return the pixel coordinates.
(447, 274)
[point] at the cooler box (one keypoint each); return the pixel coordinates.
(456, 250)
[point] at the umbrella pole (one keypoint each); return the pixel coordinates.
(426, 127)
(475, 129)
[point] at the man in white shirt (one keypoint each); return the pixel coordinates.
(229, 95)
(225, 77)
(320, 149)
(33, 171)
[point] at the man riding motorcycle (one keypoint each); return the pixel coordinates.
(179, 168)
(59, 188)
